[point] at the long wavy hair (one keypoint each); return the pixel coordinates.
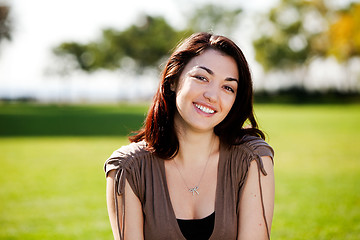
(158, 130)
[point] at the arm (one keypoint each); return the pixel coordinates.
(251, 221)
(133, 210)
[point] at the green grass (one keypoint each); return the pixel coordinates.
(45, 120)
(317, 164)
(52, 185)
(54, 188)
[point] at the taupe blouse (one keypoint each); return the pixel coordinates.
(145, 173)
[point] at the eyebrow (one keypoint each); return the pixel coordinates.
(212, 73)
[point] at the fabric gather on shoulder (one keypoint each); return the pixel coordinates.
(127, 162)
(250, 149)
(258, 146)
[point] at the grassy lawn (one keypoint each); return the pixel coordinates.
(52, 184)
(317, 163)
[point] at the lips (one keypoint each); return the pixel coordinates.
(204, 109)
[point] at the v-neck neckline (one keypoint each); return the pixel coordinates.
(217, 210)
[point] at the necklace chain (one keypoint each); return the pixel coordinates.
(194, 190)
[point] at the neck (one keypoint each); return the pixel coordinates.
(196, 148)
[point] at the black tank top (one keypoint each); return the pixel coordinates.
(197, 229)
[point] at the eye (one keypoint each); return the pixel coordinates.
(230, 89)
(201, 78)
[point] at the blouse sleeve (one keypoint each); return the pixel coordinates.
(249, 149)
(253, 148)
(258, 146)
(126, 161)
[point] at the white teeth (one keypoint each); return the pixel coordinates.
(204, 109)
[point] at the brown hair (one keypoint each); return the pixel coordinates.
(158, 130)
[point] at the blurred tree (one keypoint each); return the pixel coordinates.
(291, 34)
(5, 27)
(214, 18)
(144, 44)
(295, 32)
(139, 46)
(344, 34)
(343, 39)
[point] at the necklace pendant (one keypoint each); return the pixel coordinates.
(194, 190)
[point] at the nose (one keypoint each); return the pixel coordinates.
(211, 93)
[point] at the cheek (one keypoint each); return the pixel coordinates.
(229, 102)
(184, 91)
(182, 97)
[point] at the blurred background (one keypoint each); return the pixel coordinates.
(76, 77)
(108, 51)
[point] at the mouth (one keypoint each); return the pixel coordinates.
(204, 109)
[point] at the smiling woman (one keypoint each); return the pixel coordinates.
(207, 85)
(195, 171)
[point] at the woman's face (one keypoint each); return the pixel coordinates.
(206, 91)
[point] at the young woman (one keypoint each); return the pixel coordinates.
(199, 168)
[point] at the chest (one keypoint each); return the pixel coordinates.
(166, 198)
(193, 192)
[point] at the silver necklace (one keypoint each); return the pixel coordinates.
(194, 190)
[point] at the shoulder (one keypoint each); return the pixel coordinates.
(127, 156)
(255, 146)
(249, 149)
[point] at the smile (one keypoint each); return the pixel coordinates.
(204, 109)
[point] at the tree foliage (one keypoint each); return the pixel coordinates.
(344, 34)
(296, 31)
(144, 45)
(5, 26)
(214, 18)
(291, 34)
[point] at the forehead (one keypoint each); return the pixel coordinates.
(217, 61)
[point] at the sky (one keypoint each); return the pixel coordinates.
(40, 25)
